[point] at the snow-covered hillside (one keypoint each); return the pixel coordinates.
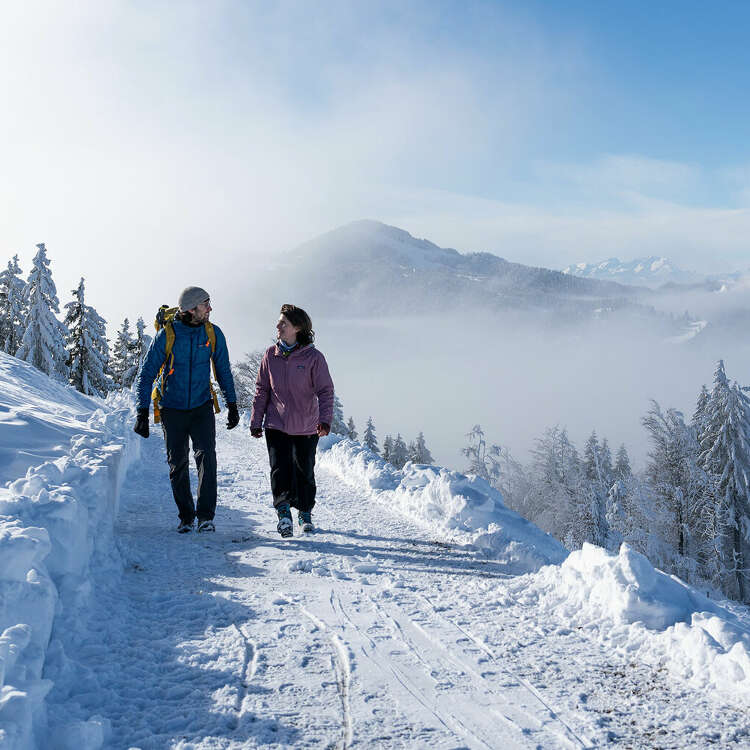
(369, 268)
(422, 613)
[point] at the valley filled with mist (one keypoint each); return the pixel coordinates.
(423, 338)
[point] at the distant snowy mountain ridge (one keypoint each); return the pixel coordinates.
(649, 271)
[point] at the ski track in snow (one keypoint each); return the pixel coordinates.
(368, 634)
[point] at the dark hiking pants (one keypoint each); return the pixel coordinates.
(292, 459)
(197, 425)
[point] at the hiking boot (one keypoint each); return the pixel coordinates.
(285, 526)
(305, 520)
(206, 526)
(184, 527)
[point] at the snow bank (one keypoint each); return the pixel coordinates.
(467, 508)
(56, 521)
(620, 598)
(643, 612)
(37, 417)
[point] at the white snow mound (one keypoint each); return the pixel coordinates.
(464, 507)
(656, 617)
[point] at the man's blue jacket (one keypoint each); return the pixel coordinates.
(188, 385)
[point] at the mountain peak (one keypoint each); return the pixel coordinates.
(651, 270)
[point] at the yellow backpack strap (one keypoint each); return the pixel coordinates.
(164, 371)
(212, 340)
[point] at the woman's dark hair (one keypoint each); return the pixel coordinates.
(298, 317)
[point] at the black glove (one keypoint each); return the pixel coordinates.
(233, 416)
(256, 432)
(141, 423)
(323, 429)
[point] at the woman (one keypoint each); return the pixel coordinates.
(294, 394)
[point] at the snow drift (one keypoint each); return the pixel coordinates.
(640, 611)
(466, 508)
(55, 522)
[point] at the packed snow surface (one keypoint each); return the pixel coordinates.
(421, 613)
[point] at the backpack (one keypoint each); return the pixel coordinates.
(164, 319)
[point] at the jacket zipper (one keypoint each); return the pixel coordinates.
(286, 386)
(190, 373)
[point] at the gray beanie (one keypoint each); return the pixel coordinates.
(191, 297)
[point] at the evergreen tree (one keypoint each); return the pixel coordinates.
(141, 344)
(43, 337)
(87, 346)
(12, 312)
(593, 512)
(592, 458)
(338, 426)
(410, 451)
(483, 460)
(725, 455)
(122, 356)
(622, 464)
(605, 463)
(701, 406)
(399, 455)
(419, 452)
(245, 374)
(676, 481)
(387, 448)
(555, 498)
(615, 515)
(351, 432)
(370, 439)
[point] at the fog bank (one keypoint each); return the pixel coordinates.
(513, 374)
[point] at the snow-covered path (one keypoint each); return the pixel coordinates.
(369, 633)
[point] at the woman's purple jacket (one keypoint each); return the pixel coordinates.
(293, 393)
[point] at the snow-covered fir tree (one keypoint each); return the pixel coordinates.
(87, 346)
(43, 336)
(338, 426)
(605, 462)
(419, 453)
(245, 374)
(136, 355)
(699, 415)
(675, 479)
(12, 311)
(483, 459)
(122, 363)
(387, 448)
(141, 343)
(725, 455)
(351, 431)
(615, 515)
(370, 438)
(591, 458)
(555, 488)
(622, 463)
(399, 455)
(593, 511)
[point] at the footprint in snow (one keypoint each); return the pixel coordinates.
(365, 568)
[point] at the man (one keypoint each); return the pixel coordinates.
(186, 404)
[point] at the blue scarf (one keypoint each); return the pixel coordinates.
(286, 349)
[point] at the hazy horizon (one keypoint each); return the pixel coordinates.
(154, 146)
(189, 142)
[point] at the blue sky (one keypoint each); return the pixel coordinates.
(668, 79)
(548, 133)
